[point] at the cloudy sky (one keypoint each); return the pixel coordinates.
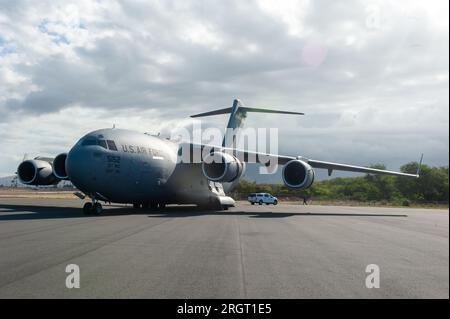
(371, 76)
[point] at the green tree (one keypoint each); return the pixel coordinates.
(432, 186)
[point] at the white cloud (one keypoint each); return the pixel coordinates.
(201, 34)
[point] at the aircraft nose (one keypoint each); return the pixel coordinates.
(78, 168)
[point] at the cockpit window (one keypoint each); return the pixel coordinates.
(102, 143)
(93, 141)
(89, 141)
(111, 145)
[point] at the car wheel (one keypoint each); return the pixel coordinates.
(260, 202)
(275, 202)
(252, 203)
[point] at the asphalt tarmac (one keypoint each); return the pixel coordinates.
(284, 251)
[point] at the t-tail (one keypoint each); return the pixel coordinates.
(238, 114)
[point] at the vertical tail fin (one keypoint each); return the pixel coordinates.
(238, 114)
(235, 121)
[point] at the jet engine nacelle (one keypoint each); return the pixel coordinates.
(36, 172)
(222, 167)
(59, 166)
(298, 174)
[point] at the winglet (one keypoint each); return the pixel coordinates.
(420, 166)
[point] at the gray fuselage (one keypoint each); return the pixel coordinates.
(125, 166)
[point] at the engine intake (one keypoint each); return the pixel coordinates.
(59, 166)
(222, 167)
(298, 174)
(36, 172)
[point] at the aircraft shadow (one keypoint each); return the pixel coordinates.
(174, 211)
(31, 212)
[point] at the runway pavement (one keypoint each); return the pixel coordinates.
(284, 251)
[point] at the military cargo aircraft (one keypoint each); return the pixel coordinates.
(124, 166)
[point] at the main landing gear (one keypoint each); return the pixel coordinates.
(94, 208)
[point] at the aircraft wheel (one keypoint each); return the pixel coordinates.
(97, 209)
(87, 209)
(136, 205)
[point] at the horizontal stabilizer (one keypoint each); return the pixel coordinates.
(259, 110)
(216, 112)
(245, 109)
(238, 113)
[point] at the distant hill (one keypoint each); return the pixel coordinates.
(6, 181)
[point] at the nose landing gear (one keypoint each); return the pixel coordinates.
(87, 208)
(94, 208)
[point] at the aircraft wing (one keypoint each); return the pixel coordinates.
(265, 158)
(238, 113)
(352, 168)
